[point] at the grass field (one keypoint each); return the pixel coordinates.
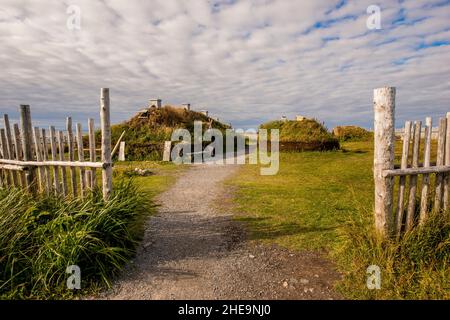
(324, 201)
(312, 194)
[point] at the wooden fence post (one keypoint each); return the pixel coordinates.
(384, 138)
(106, 143)
(447, 163)
(9, 146)
(92, 155)
(426, 177)
(27, 145)
(70, 143)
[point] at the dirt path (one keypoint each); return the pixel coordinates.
(193, 251)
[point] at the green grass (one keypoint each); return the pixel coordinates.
(312, 194)
(41, 235)
(324, 201)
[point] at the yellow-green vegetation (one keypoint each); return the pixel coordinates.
(305, 135)
(324, 200)
(145, 133)
(352, 133)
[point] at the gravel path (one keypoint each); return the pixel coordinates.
(192, 250)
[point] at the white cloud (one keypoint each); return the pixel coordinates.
(246, 61)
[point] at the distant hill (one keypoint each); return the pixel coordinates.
(303, 135)
(146, 132)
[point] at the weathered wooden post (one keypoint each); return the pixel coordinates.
(27, 145)
(384, 138)
(92, 156)
(122, 151)
(167, 149)
(105, 123)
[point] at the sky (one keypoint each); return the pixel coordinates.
(246, 61)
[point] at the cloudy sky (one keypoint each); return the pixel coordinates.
(246, 61)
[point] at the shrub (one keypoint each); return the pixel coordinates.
(41, 235)
(352, 133)
(305, 135)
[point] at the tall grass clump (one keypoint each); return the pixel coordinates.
(40, 236)
(417, 266)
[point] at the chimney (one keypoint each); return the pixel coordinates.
(157, 103)
(186, 106)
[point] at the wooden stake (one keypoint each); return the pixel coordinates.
(79, 133)
(92, 155)
(4, 149)
(62, 158)
(27, 143)
(70, 143)
(57, 185)
(439, 162)
(410, 216)
(18, 152)
(402, 181)
(384, 136)
(447, 163)
(48, 177)
(38, 151)
(9, 145)
(106, 142)
(426, 177)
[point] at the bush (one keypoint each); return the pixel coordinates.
(415, 267)
(352, 133)
(41, 235)
(305, 135)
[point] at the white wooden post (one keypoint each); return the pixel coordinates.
(384, 138)
(122, 151)
(105, 123)
(167, 147)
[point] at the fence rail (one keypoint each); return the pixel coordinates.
(413, 203)
(36, 159)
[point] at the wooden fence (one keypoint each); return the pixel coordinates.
(413, 203)
(36, 159)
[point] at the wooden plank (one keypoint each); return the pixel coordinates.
(9, 145)
(416, 171)
(384, 139)
(426, 178)
(447, 163)
(57, 185)
(116, 147)
(27, 145)
(13, 167)
(61, 159)
(92, 155)
(18, 152)
(440, 159)
(39, 158)
(48, 176)
(70, 143)
(69, 164)
(79, 138)
(105, 122)
(410, 214)
(402, 182)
